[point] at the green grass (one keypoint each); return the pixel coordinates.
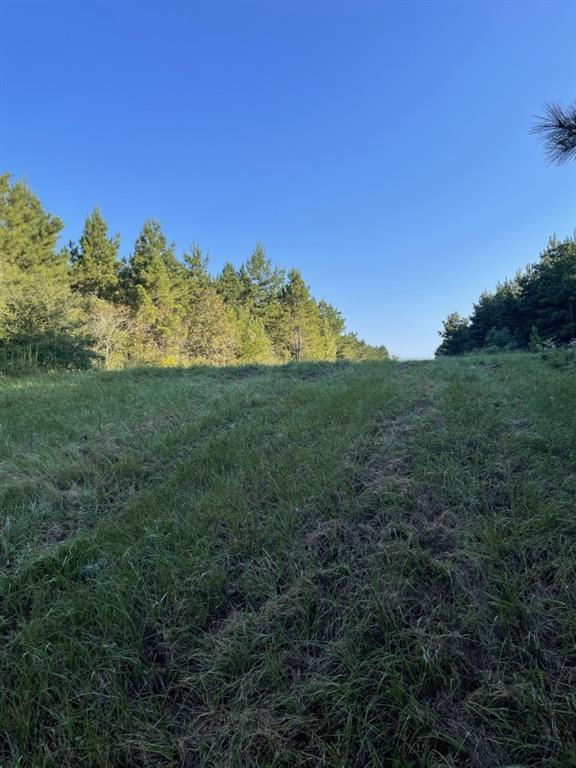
(315, 565)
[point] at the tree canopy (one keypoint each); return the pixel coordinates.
(84, 305)
(538, 304)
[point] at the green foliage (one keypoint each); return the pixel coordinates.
(559, 357)
(261, 281)
(252, 343)
(82, 305)
(455, 335)
(333, 318)
(301, 329)
(538, 304)
(501, 338)
(535, 340)
(95, 269)
(42, 325)
(155, 286)
(320, 565)
(230, 286)
(42, 322)
(196, 268)
(28, 234)
(350, 347)
(209, 330)
(112, 328)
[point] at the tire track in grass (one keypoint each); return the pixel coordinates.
(121, 620)
(222, 732)
(121, 471)
(382, 651)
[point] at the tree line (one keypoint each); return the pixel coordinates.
(538, 305)
(83, 305)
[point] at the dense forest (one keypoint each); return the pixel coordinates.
(83, 305)
(536, 307)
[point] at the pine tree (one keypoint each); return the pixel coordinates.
(210, 332)
(348, 347)
(302, 332)
(155, 286)
(455, 335)
(548, 293)
(493, 311)
(261, 281)
(557, 129)
(42, 323)
(196, 267)
(276, 322)
(539, 304)
(333, 316)
(56, 306)
(230, 286)
(332, 329)
(95, 268)
(252, 343)
(177, 272)
(28, 234)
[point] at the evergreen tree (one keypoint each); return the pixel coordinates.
(501, 309)
(500, 339)
(333, 317)
(252, 342)
(230, 286)
(70, 307)
(209, 326)
(178, 274)
(42, 324)
(301, 322)
(540, 302)
(28, 234)
(196, 267)
(350, 347)
(261, 281)
(332, 329)
(276, 324)
(455, 335)
(95, 268)
(155, 286)
(548, 293)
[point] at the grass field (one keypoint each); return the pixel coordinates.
(315, 565)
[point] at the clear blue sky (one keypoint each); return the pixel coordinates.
(383, 148)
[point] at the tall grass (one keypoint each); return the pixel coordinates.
(314, 565)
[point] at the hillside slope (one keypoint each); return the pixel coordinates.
(314, 565)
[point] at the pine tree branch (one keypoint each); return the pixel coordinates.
(557, 131)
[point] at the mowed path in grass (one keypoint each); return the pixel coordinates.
(314, 565)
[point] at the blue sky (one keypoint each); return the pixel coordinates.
(383, 148)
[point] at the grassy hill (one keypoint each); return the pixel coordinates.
(314, 565)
